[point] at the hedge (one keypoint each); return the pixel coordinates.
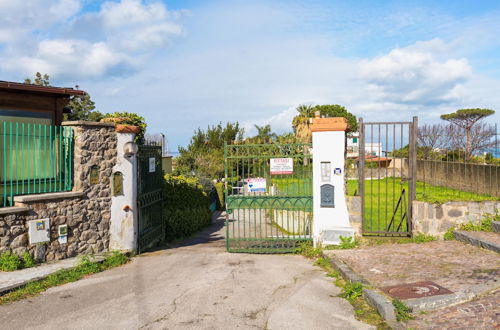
(186, 207)
(219, 188)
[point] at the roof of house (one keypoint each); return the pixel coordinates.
(62, 91)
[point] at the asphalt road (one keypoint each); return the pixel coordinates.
(197, 285)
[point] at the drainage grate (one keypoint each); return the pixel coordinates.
(415, 290)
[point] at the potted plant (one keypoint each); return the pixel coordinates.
(126, 122)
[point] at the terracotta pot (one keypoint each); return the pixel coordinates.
(120, 128)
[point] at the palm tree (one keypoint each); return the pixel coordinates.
(301, 122)
(264, 133)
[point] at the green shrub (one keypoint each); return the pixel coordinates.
(402, 311)
(347, 243)
(113, 259)
(449, 236)
(27, 260)
(186, 206)
(88, 265)
(322, 262)
(423, 238)
(128, 118)
(219, 187)
(352, 290)
(9, 262)
(307, 250)
(484, 225)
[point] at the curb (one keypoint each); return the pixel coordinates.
(495, 226)
(465, 237)
(383, 304)
(440, 301)
(380, 302)
(38, 273)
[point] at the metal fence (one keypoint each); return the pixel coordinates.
(456, 163)
(36, 159)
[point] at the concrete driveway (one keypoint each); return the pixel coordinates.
(194, 286)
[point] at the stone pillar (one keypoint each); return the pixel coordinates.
(124, 212)
(89, 219)
(331, 218)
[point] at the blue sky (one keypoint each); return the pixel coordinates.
(186, 64)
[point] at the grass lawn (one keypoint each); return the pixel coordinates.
(427, 193)
(381, 198)
(293, 186)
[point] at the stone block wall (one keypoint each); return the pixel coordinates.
(355, 218)
(436, 219)
(86, 210)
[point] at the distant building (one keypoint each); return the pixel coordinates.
(353, 145)
(371, 148)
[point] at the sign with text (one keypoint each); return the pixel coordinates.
(63, 234)
(152, 165)
(281, 165)
(256, 185)
(39, 231)
(326, 171)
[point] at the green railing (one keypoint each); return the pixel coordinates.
(36, 159)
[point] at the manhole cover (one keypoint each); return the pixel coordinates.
(415, 290)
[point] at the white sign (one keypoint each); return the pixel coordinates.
(152, 165)
(281, 165)
(337, 171)
(326, 171)
(63, 234)
(39, 231)
(256, 185)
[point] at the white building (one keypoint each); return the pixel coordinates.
(371, 148)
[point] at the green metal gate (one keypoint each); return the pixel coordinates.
(150, 196)
(387, 176)
(268, 197)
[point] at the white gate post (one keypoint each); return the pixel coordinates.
(331, 218)
(124, 212)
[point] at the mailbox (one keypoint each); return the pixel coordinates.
(327, 195)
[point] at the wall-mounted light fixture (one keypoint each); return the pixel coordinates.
(130, 149)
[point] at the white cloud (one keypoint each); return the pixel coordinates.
(280, 122)
(417, 75)
(114, 40)
(57, 57)
(18, 18)
(132, 25)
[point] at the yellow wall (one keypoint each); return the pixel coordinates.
(166, 164)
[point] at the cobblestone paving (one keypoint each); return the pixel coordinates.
(483, 313)
(451, 264)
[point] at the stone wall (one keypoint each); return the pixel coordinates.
(86, 210)
(355, 218)
(436, 219)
